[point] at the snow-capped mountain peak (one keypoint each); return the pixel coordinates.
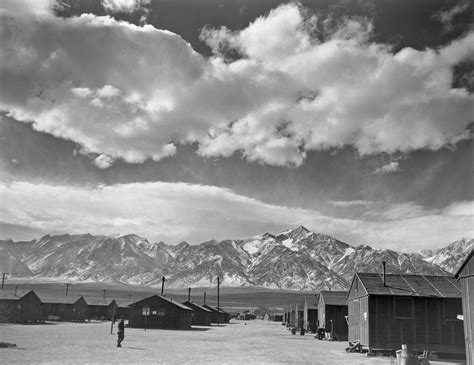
(294, 259)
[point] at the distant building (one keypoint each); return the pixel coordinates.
(234, 315)
(291, 318)
(227, 316)
(332, 313)
(415, 310)
(277, 316)
(122, 308)
(306, 312)
(310, 313)
(64, 308)
(299, 315)
(100, 308)
(247, 316)
(465, 275)
(159, 311)
(218, 316)
(201, 316)
(19, 306)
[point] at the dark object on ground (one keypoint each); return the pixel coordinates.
(7, 344)
(302, 331)
(354, 347)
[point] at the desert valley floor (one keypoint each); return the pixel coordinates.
(239, 342)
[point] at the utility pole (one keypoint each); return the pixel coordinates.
(104, 290)
(3, 279)
(162, 285)
(218, 310)
(67, 287)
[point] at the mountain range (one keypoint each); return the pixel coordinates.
(296, 259)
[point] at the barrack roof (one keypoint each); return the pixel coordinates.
(334, 297)
(169, 300)
(191, 304)
(466, 260)
(9, 294)
(99, 301)
(410, 285)
(60, 299)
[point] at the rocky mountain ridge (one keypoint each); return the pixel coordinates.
(296, 259)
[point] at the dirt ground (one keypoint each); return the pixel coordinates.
(251, 342)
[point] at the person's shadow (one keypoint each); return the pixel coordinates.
(133, 348)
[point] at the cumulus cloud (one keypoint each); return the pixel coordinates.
(179, 211)
(103, 161)
(392, 166)
(135, 93)
(124, 6)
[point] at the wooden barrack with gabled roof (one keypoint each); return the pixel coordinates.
(419, 311)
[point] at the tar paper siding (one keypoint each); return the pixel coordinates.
(216, 316)
(335, 313)
(425, 328)
(102, 311)
(65, 311)
(22, 309)
(163, 314)
(385, 322)
(277, 317)
(312, 319)
(200, 316)
(466, 276)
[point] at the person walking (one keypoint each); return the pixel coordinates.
(121, 332)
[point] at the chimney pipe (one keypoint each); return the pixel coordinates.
(383, 275)
(204, 298)
(162, 285)
(189, 294)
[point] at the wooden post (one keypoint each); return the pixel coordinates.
(218, 310)
(384, 275)
(3, 279)
(104, 290)
(67, 288)
(113, 320)
(162, 285)
(146, 316)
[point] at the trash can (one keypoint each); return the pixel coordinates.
(302, 331)
(405, 357)
(293, 330)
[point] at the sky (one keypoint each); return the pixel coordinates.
(218, 119)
